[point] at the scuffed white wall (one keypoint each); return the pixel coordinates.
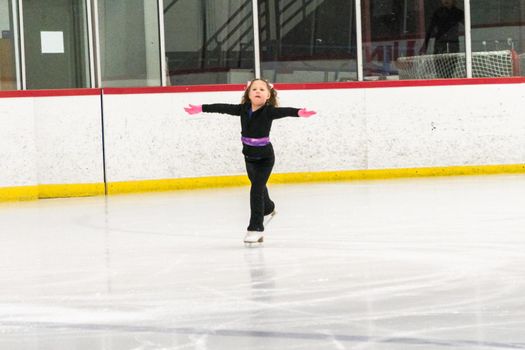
(334, 139)
(17, 143)
(53, 140)
(148, 136)
(69, 139)
(153, 138)
(445, 126)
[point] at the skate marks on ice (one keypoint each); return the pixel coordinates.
(376, 266)
(322, 306)
(319, 336)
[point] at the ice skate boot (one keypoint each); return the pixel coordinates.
(253, 237)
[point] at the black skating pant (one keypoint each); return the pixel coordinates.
(259, 170)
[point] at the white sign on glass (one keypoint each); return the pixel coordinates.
(52, 42)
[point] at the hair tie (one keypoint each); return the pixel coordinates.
(248, 83)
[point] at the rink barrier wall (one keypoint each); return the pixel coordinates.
(50, 144)
(55, 191)
(290, 178)
(71, 190)
(152, 143)
(25, 193)
(385, 174)
(52, 139)
(177, 184)
(19, 193)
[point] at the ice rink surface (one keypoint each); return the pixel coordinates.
(401, 264)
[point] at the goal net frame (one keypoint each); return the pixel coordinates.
(485, 64)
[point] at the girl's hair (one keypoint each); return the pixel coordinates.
(273, 93)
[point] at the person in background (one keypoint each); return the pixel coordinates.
(444, 27)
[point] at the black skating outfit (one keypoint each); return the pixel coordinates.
(259, 159)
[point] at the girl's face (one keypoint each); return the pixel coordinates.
(259, 93)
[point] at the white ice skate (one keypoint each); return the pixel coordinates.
(253, 237)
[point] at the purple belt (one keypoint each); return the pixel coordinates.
(263, 141)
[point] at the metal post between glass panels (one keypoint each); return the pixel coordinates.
(91, 43)
(468, 38)
(162, 44)
(359, 39)
(96, 44)
(16, 44)
(256, 44)
(21, 51)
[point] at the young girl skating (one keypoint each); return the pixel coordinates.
(257, 111)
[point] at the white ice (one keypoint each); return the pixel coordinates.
(402, 264)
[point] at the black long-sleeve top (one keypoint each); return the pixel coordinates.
(255, 124)
(444, 25)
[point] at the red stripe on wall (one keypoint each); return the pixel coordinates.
(284, 86)
(174, 89)
(400, 83)
(320, 86)
(50, 93)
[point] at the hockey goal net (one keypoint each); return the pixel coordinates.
(485, 64)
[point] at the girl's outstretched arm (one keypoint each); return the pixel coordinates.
(222, 108)
(214, 108)
(281, 112)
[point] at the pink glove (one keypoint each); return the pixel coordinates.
(192, 109)
(305, 113)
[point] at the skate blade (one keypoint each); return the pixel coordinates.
(252, 243)
(269, 218)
